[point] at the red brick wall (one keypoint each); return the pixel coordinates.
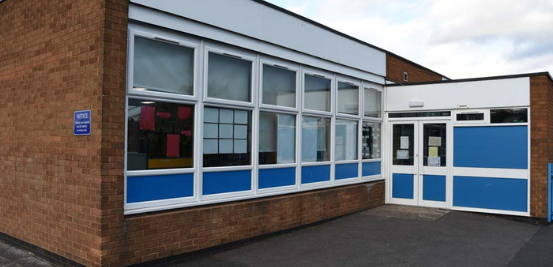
(148, 237)
(395, 66)
(541, 148)
(51, 64)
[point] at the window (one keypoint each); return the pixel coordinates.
(277, 138)
(373, 101)
(160, 135)
(434, 144)
(315, 139)
(245, 97)
(515, 115)
(346, 140)
(470, 117)
(227, 135)
(403, 146)
(279, 86)
(229, 77)
(163, 67)
(348, 98)
(317, 93)
(370, 142)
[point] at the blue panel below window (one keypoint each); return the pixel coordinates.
(277, 177)
(226, 182)
(158, 187)
(433, 187)
(313, 174)
(491, 147)
(490, 193)
(371, 168)
(402, 185)
(345, 171)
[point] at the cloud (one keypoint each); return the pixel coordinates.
(456, 38)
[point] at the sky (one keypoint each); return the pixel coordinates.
(457, 38)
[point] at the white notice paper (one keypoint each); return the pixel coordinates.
(404, 142)
(434, 141)
(434, 161)
(402, 154)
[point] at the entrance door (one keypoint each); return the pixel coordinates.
(419, 165)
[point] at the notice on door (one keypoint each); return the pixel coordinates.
(434, 161)
(402, 154)
(432, 151)
(434, 141)
(404, 142)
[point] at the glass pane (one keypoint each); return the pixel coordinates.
(279, 86)
(227, 137)
(229, 78)
(315, 139)
(470, 117)
(277, 138)
(371, 140)
(348, 98)
(373, 103)
(346, 140)
(163, 67)
(516, 115)
(434, 149)
(317, 93)
(160, 135)
(403, 144)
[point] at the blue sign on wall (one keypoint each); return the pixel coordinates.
(81, 122)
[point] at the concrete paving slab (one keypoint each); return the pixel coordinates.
(407, 212)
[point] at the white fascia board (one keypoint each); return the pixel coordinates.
(509, 92)
(271, 26)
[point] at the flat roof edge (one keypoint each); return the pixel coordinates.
(522, 75)
(288, 12)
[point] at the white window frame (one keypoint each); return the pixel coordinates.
(161, 36)
(236, 53)
(485, 121)
(200, 100)
(354, 161)
(350, 81)
(155, 205)
(379, 88)
(264, 60)
(320, 74)
(374, 87)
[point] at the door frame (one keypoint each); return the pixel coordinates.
(417, 169)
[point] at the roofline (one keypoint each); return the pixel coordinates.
(478, 79)
(273, 6)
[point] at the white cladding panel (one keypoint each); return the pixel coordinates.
(258, 21)
(477, 94)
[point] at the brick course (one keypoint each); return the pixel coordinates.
(147, 237)
(541, 141)
(56, 58)
(395, 66)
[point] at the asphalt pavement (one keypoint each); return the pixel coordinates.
(385, 236)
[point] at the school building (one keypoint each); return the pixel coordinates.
(139, 131)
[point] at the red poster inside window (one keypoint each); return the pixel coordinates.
(147, 118)
(184, 113)
(173, 145)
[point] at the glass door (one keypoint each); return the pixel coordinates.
(419, 165)
(404, 165)
(432, 169)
